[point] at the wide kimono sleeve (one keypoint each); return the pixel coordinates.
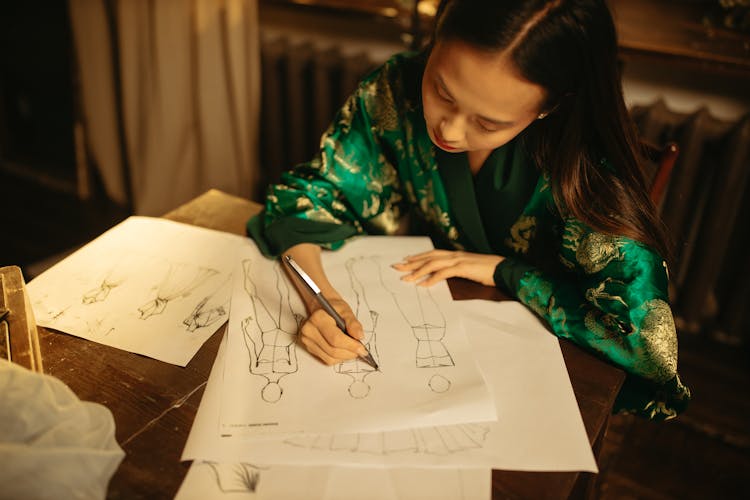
(613, 301)
(350, 187)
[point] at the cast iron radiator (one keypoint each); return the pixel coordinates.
(303, 86)
(706, 207)
(706, 210)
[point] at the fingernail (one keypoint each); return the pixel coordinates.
(362, 351)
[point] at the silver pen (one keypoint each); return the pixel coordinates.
(307, 280)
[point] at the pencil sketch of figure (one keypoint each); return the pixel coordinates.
(112, 278)
(449, 439)
(270, 333)
(428, 326)
(235, 477)
(180, 281)
(212, 308)
(371, 443)
(44, 313)
(443, 440)
(99, 327)
(438, 383)
(357, 369)
(100, 293)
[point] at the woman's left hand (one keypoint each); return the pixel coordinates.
(438, 265)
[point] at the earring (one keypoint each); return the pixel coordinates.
(541, 115)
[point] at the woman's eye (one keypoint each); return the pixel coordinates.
(442, 95)
(485, 128)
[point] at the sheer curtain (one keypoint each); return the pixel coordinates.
(170, 97)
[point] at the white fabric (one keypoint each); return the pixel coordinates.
(190, 86)
(52, 445)
(93, 53)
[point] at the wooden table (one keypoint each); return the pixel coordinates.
(154, 403)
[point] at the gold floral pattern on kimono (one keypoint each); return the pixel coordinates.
(621, 312)
(604, 326)
(599, 292)
(657, 331)
(345, 117)
(593, 251)
(521, 233)
(380, 104)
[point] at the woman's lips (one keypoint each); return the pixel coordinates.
(440, 143)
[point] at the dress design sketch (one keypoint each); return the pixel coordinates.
(270, 333)
(235, 477)
(114, 277)
(99, 327)
(43, 312)
(444, 440)
(428, 325)
(212, 308)
(100, 293)
(180, 281)
(357, 369)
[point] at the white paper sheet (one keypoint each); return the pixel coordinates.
(539, 428)
(247, 481)
(148, 285)
(427, 375)
(251, 481)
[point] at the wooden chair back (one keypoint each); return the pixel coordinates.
(658, 167)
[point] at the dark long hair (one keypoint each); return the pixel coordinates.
(569, 48)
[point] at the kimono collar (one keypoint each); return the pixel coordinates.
(459, 188)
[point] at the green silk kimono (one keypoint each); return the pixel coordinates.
(377, 166)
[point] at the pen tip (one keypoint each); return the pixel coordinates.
(372, 362)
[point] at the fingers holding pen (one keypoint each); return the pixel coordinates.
(323, 338)
(332, 331)
(353, 326)
(315, 348)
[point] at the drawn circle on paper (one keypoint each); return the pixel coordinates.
(439, 384)
(359, 389)
(271, 392)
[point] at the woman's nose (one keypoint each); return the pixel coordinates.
(452, 128)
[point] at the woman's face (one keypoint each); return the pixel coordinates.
(474, 100)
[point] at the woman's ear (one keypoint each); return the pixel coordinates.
(545, 114)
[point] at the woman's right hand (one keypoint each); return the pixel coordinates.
(319, 333)
(323, 339)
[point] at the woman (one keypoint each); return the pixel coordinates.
(508, 142)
